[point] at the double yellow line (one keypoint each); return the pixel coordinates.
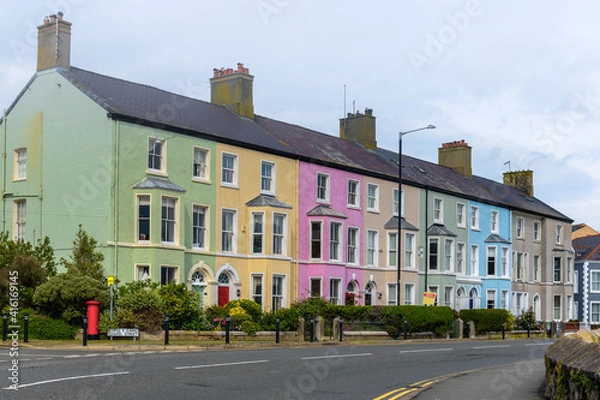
(398, 393)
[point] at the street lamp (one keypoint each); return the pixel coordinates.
(398, 250)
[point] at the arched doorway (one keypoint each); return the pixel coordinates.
(370, 293)
(473, 299)
(536, 307)
(199, 284)
(224, 289)
(352, 293)
(461, 299)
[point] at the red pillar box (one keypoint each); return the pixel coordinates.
(93, 309)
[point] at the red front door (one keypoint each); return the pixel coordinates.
(223, 295)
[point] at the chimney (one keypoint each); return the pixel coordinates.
(233, 89)
(522, 180)
(360, 128)
(54, 43)
(456, 155)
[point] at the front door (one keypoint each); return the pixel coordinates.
(223, 295)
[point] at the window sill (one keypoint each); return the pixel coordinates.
(201, 180)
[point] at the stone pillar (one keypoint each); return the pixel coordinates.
(319, 329)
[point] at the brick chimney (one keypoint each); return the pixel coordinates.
(456, 155)
(233, 89)
(522, 180)
(54, 43)
(360, 128)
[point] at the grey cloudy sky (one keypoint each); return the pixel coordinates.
(519, 81)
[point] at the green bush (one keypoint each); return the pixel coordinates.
(41, 327)
(140, 306)
(249, 327)
(104, 322)
(181, 304)
(488, 320)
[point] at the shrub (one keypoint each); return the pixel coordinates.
(104, 322)
(140, 306)
(249, 327)
(181, 304)
(488, 320)
(525, 319)
(42, 327)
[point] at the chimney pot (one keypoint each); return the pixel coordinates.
(53, 18)
(60, 15)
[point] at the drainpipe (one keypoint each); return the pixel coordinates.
(3, 170)
(116, 130)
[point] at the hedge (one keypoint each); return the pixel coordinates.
(488, 320)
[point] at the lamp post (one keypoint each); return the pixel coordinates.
(399, 245)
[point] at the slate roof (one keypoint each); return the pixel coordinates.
(587, 248)
(405, 225)
(494, 238)
(158, 183)
(147, 105)
(267, 201)
(325, 211)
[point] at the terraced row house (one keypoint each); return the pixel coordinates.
(238, 205)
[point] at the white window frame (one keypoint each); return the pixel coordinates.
(460, 257)
(353, 245)
(20, 164)
(199, 229)
(448, 296)
(391, 294)
(504, 300)
(519, 228)
(504, 261)
(595, 312)
(490, 299)
(433, 255)
(474, 261)
(200, 167)
(410, 250)
(314, 240)
(409, 293)
(230, 232)
(335, 241)
(279, 240)
(323, 187)
(537, 231)
(448, 255)
(171, 279)
(169, 225)
(491, 252)
(20, 219)
(335, 284)
(474, 218)
(267, 178)
(353, 196)
(438, 210)
(559, 234)
(257, 229)
(595, 281)
(460, 215)
(554, 269)
(257, 290)
(310, 288)
(392, 246)
(156, 157)
(142, 272)
(372, 247)
(494, 221)
(397, 203)
(555, 308)
(536, 267)
(229, 173)
(434, 289)
(372, 197)
(140, 198)
(277, 297)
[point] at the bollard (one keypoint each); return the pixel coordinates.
(502, 331)
(4, 326)
(166, 329)
(227, 329)
(277, 329)
(528, 329)
(26, 328)
(341, 329)
(312, 329)
(405, 329)
(85, 331)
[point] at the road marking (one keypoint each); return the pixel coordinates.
(491, 347)
(537, 344)
(222, 365)
(338, 356)
(70, 378)
(426, 350)
(407, 391)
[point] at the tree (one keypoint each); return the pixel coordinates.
(27, 265)
(85, 259)
(65, 295)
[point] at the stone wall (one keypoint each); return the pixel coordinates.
(573, 367)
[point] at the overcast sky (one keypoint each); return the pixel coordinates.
(518, 81)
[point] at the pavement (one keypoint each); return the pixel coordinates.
(523, 381)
